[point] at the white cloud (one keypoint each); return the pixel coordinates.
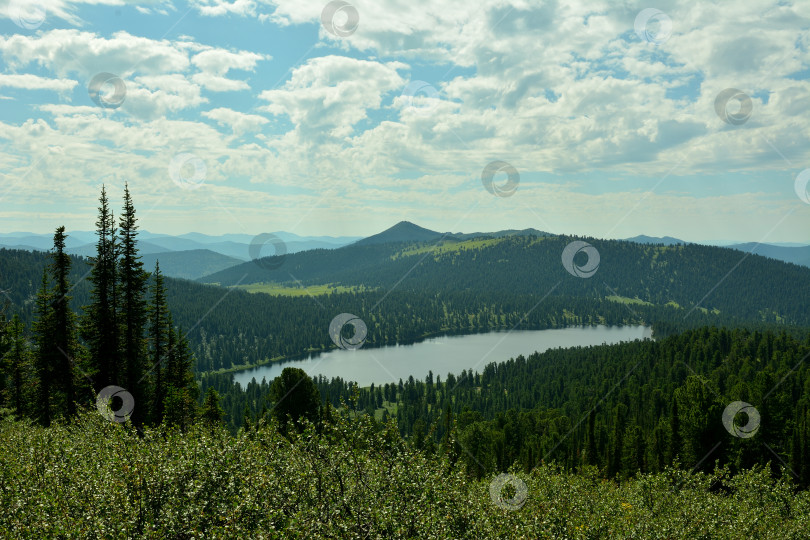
(562, 88)
(214, 64)
(219, 61)
(216, 83)
(69, 110)
(216, 8)
(28, 81)
(66, 10)
(156, 95)
(239, 122)
(86, 53)
(329, 95)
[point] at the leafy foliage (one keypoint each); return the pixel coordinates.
(351, 479)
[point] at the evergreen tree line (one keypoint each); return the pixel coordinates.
(123, 337)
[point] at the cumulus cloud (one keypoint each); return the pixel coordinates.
(329, 95)
(216, 8)
(66, 10)
(214, 64)
(558, 88)
(86, 53)
(239, 122)
(28, 81)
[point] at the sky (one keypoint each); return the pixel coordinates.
(598, 118)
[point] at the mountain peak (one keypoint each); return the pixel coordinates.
(644, 239)
(404, 231)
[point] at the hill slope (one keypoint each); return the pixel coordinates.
(404, 231)
(191, 264)
(751, 287)
(796, 255)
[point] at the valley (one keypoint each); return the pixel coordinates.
(361, 270)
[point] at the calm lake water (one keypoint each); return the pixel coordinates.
(442, 355)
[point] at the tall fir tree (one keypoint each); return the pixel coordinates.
(158, 341)
(133, 312)
(674, 432)
(590, 441)
(617, 440)
(181, 388)
(100, 325)
(16, 364)
(44, 352)
(5, 342)
(63, 332)
(211, 412)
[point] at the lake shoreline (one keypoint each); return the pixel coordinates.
(399, 356)
(430, 335)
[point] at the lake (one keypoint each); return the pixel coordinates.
(442, 355)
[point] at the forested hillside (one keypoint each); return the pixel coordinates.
(624, 408)
(687, 275)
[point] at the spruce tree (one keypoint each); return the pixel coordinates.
(674, 432)
(100, 325)
(44, 352)
(590, 442)
(63, 331)
(181, 388)
(158, 339)
(294, 397)
(133, 313)
(16, 365)
(617, 440)
(212, 412)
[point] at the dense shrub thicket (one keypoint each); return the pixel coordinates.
(348, 478)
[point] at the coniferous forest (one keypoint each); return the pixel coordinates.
(118, 419)
(124, 337)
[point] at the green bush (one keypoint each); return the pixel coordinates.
(351, 478)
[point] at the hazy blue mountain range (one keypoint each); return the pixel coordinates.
(189, 264)
(190, 255)
(797, 255)
(787, 252)
(666, 240)
(195, 255)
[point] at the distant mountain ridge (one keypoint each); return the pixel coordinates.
(791, 253)
(665, 240)
(196, 255)
(191, 264)
(183, 256)
(795, 255)
(405, 231)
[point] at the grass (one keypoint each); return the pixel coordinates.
(671, 303)
(449, 246)
(281, 289)
(626, 300)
